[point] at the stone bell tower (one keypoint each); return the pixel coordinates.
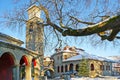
(35, 31)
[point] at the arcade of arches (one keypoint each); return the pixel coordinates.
(69, 67)
(17, 63)
(7, 65)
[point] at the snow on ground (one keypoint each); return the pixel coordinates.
(102, 78)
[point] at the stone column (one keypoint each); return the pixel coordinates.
(16, 72)
(60, 68)
(74, 67)
(68, 67)
(63, 68)
(37, 73)
(28, 73)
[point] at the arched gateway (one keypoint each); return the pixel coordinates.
(23, 64)
(49, 72)
(6, 66)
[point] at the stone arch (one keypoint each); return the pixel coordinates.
(10, 53)
(24, 61)
(62, 68)
(71, 67)
(7, 63)
(49, 72)
(77, 67)
(25, 68)
(92, 67)
(58, 69)
(66, 68)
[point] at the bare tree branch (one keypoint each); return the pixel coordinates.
(111, 23)
(89, 23)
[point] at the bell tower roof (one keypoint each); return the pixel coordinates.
(33, 11)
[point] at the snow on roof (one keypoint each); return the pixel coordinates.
(103, 21)
(12, 38)
(2, 41)
(85, 55)
(115, 58)
(67, 50)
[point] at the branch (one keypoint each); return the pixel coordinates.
(89, 23)
(49, 21)
(112, 36)
(59, 40)
(46, 12)
(118, 37)
(110, 23)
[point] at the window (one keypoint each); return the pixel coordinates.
(61, 68)
(58, 69)
(70, 49)
(71, 67)
(118, 64)
(44, 58)
(66, 68)
(101, 67)
(77, 67)
(58, 57)
(61, 57)
(65, 48)
(107, 68)
(65, 56)
(92, 67)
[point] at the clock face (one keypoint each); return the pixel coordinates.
(34, 13)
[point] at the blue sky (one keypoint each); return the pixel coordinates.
(9, 4)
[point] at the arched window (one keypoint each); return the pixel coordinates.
(92, 67)
(101, 67)
(58, 57)
(108, 67)
(66, 68)
(65, 56)
(61, 57)
(71, 67)
(58, 69)
(77, 67)
(61, 68)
